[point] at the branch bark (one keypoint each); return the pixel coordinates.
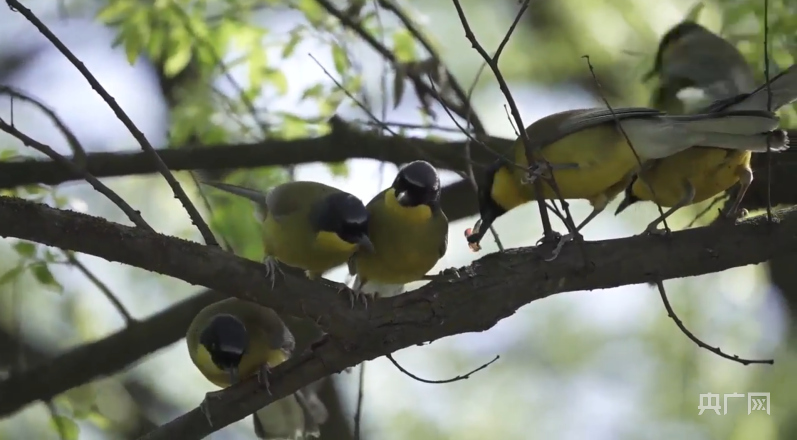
(442, 308)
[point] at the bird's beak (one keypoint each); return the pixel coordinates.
(365, 243)
(625, 203)
(403, 197)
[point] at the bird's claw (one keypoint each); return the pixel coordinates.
(552, 237)
(562, 240)
(272, 268)
(204, 406)
(262, 377)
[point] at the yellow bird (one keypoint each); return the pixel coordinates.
(700, 173)
(690, 58)
(409, 232)
(232, 340)
(590, 158)
(307, 225)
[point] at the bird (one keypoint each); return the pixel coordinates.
(231, 340)
(307, 225)
(590, 158)
(700, 173)
(692, 58)
(408, 229)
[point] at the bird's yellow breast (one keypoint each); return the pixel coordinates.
(710, 171)
(603, 157)
(414, 214)
(259, 353)
(294, 242)
(407, 242)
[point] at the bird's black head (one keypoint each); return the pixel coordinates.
(346, 216)
(673, 36)
(226, 340)
(629, 198)
(489, 209)
(416, 184)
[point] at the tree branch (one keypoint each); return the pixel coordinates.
(442, 308)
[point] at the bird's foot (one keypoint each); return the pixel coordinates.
(562, 240)
(550, 238)
(205, 405)
(733, 216)
(544, 169)
(653, 230)
(262, 377)
(272, 269)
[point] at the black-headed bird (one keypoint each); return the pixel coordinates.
(409, 232)
(700, 173)
(590, 158)
(307, 225)
(232, 340)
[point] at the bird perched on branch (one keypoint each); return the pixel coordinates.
(307, 225)
(693, 60)
(590, 158)
(409, 232)
(700, 173)
(232, 340)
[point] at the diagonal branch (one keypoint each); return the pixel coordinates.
(196, 219)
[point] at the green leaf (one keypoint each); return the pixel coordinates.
(296, 38)
(694, 12)
(312, 11)
(66, 428)
(404, 46)
(115, 10)
(315, 91)
(41, 271)
(25, 249)
(11, 274)
(278, 79)
(177, 60)
(340, 59)
(338, 169)
(131, 39)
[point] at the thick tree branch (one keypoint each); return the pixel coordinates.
(439, 309)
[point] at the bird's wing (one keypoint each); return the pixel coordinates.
(570, 122)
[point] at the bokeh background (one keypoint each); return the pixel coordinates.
(583, 365)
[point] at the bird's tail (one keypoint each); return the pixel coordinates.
(783, 88)
(251, 194)
(296, 417)
(750, 130)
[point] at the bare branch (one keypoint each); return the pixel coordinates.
(131, 213)
(72, 259)
(196, 219)
(696, 340)
(437, 382)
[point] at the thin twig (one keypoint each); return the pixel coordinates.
(453, 379)
(625, 135)
(470, 117)
(224, 243)
(78, 152)
(196, 219)
(696, 340)
(492, 62)
(414, 126)
(358, 413)
(131, 213)
(769, 108)
(72, 259)
(461, 110)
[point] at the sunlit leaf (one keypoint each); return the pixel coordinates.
(177, 60)
(694, 12)
(313, 11)
(278, 79)
(257, 68)
(340, 59)
(115, 10)
(404, 46)
(66, 428)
